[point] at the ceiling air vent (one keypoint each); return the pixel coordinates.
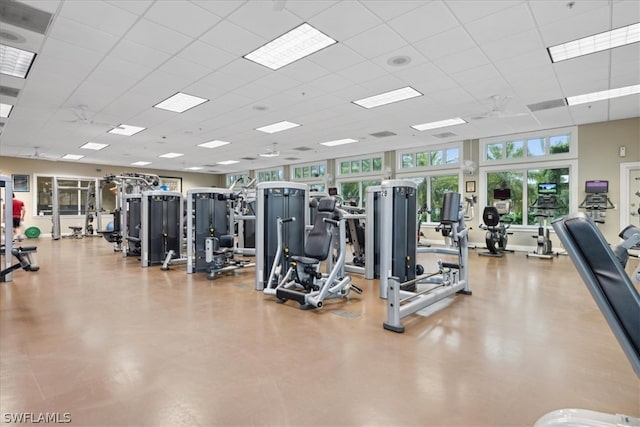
(9, 91)
(547, 105)
(303, 148)
(247, 158)
(383, 134)
(292, 158)
(24, 16)
(444, 134)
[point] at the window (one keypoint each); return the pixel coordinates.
(355, 192)
(72, 195)
(526, 148)
(430, 194)
(444, 156)
(270, 175)
(240, 178)
(360, 166)
(309, 172)
(524, 191)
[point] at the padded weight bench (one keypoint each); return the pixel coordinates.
(616, 296)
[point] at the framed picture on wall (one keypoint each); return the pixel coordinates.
(20, 183)
(470, 187)
(171, 183)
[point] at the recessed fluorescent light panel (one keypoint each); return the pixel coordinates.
(171, 155)
(5, 110)
(94, 146)
(278, 127)
(227, 162)
(595, 43)
(439, 124)
(195, 168)
(180, 102)
(72, 157)
(126, 130)
(605, 94)
(15, 62)
(296, 44)
(213, 144)
(339, 142)
(140, 163)
(388, 97)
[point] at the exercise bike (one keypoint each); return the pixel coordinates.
(496, 221)
(544, 208)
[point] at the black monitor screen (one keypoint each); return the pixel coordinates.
(502, 194)
(547, 188)
(596, 187)
(333, 191)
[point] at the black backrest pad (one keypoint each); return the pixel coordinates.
(319, 239)
(490, 216)
(611, 279)
(327, 204)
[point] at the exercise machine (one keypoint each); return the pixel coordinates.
(596, 202)
(210, 239)
(405, 297)
(278, 199)
(303, 282)
(496, 221)
(398, 231)
(544, 208)
(161, 223)
(602, 270)
(127, 184)
(244, 218)
(26, 261)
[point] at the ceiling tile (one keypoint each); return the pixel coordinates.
(389, 9)
(375, 41)
(577, 26)
(183, 17)
(501, 24)
(206, 55)
(221, 8)
(156, 36)
(77, 34)
(471, 10)
(231, 38)
(338, 21)
(134, 6)
(424, 22)
(445, 44)
(518, 44)
(99, 15)
(362, 72)
(308, 8)
(461, 61)
(624, 107)
(138, 54)
(335, 58)
(547, 12)
(259, 17)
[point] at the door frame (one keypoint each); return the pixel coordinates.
(625, 202)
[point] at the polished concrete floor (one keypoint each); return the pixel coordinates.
(97, 338)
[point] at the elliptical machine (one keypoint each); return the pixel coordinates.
(544, 208)
(496, 221)
(596, 202)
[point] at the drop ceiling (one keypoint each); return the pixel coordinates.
(104, 63)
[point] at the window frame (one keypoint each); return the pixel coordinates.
(430, 173)
(358, 176)
(236, 176)
(428, 148)
(310, 179)
(279, 170)
(544, 134)
(36, 194)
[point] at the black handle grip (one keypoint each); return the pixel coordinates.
(332, 221)
(283, 220)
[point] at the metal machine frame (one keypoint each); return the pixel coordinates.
(405, 298)
(168, 222)
(278, 199)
